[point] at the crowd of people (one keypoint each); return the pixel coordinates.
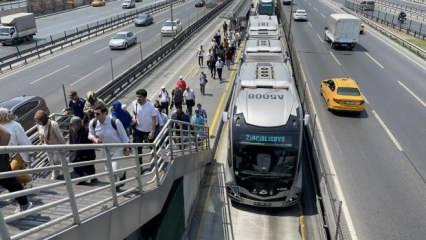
(91, 122)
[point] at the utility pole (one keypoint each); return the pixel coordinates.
(171, 18)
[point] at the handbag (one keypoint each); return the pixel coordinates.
(17, 163)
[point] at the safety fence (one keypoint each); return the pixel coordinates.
(145, 171)
(11, 5)
(51, 44)
(329, 205)
(415, 28)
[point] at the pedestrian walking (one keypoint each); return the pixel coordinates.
(228, 59)
(50, 134)
(144, 118)
(180, 83)
(180, 115)
(177, 97)
(200, 54)
(76, 105)
(122, 114)
(91, 101)
(225, 27)
(19, 160)
(211, 63)
(164, 100)
(105, 129)
(203, 113)
(219, 67)
(198, 119)
(11, 183)
(80, 135)
(189, 96)
(203, 83)
(217, 37)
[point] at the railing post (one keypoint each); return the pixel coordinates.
(157, 177)
(171, 140)
(70, 190)
(138, 169)
(181, 139)
(111, 176)
(4, 234)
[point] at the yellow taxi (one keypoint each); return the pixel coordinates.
(342, 94)
(362, 28)
(98, 3)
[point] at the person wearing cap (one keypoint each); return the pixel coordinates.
(164, 100)
(181, 83)
(91, 101)
(80, 135)
(76, 105)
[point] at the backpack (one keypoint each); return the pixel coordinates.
(113, 123)
(178, 95)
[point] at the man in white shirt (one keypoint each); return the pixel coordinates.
(104, 129)
(189, 96)
(200, 54)
(144, 118)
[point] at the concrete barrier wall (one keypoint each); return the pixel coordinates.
(42, 7)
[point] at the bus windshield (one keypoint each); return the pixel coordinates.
(266, 8)
(269, 160)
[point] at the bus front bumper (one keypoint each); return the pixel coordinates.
(236, 197)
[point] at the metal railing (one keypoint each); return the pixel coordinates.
(328, 203)
(175, 139)
(73, 36)
(372, 22)
(12, 5)
(415, 28)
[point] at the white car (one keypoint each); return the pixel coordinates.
(170, 28)
(122, 40)
(300, 15)
(128, 4)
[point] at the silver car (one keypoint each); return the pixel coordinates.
(144, 19)
(122, 40)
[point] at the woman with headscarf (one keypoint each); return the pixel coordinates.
(121, 114)
(49, 133)
(80, 135)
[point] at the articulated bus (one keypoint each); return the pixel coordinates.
(263, 27)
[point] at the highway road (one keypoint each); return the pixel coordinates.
(88, 66)
(56, 24)
(379, 157)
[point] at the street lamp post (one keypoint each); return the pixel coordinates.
(171, 18)
(290, 18)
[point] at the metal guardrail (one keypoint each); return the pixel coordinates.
(328, 203)
(78, 35)
(175, 139)
(410, 26)
(412, 47)
(12, 5)
(412, 13)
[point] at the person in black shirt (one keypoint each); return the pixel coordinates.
(76, 105)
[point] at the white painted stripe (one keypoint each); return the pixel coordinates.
(328, 158)
(335, 59)
(388, 132)
(48, 75)
(320, 38)
(86, 76)
(100, 50)
(412, 94)
(322, 15)
(310, 24)
(374, 60)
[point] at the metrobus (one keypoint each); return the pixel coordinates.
(264, 166)
(263, 27)
(265, 7)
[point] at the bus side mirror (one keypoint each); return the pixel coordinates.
(306, 119)
(225, 117)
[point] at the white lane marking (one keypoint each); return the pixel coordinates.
(50, 74)
(335, 59)
(366, 100)
(320, 38)
(86, 76)
(339, 192)
(100, 50)
(412, 94)
(388, 132)
(322, 15)
(374, 60)
(310, 24)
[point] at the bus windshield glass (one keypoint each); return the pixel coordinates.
(266, 8)
(266, 155)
